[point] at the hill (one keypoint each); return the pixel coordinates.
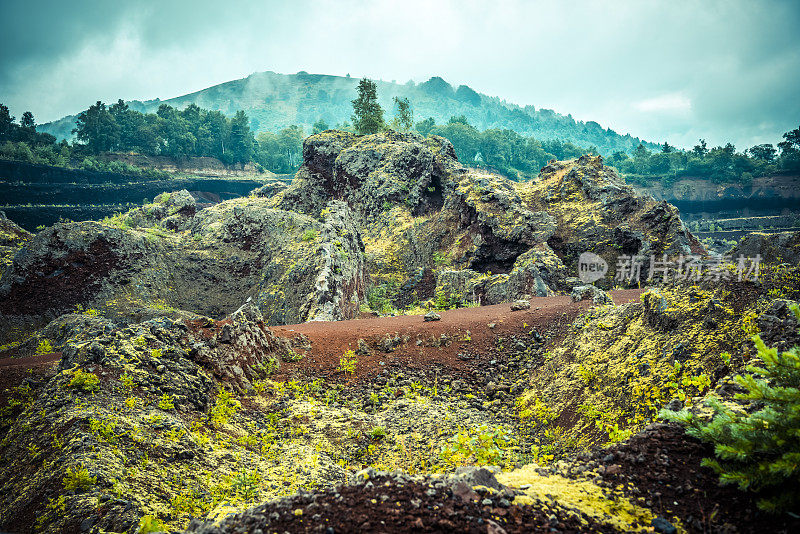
(274, 101)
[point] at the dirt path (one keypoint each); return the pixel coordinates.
(30, 361)
(467, 332)
(13, 371)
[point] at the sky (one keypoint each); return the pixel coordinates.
(675, 71)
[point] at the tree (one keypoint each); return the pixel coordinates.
(290, 145)
(425, 127)
(461, 119)
(666, 148)
(758, 447)
(97, 128)
(241, 138)
(6, 122)
(466, 140)
(404, 117)
(701, 148)
(319, 126)
(765, 152)
(26, 121)
(367, 113)
(792, 140)
(790, 150)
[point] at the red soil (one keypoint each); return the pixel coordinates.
(420, 342)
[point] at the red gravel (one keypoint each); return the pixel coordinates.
(329, 340)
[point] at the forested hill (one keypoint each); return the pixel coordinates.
(274, 101)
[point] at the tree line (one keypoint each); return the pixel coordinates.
(721, 164)
(194, 131)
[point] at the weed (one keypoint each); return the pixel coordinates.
(224, 408)
(78, 480)
(84, 381)
(167, 402)
(45, 347)
(348, 363)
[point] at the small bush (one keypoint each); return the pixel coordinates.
(224, 408)
(84, 381)
(45, 347)
(167, 402)
(484, 445)
(292, 356)
(78, 480)
(310, 235)
(377, 433)
(150, 524)
(348, 363)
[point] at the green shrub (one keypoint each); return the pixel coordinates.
(224, 408)
(379, 298)
(348, 363)
(310, 235)
(292, 356)
(377, 433)
(84, 381)
(78, 480)
(45, 347)
(150, 524)
(757, 449)
(483, 445)
(167, 402)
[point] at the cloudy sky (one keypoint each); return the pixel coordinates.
(673, 70)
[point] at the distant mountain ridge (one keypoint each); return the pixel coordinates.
(274, 101)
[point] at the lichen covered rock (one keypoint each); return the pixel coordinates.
(169, 256)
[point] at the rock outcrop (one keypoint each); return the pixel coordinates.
(783, 247)
(432, 226)
(170, 256)
(12, 237)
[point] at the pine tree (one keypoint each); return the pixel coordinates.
(758, 449)
(404, 117)
(367, 113)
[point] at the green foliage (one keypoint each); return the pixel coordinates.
(78, 480)
(84, 381)
(757, 448)
(150, 524)
(348, 362)
(225, 406)
(246, 484)
(167, 402)
(44, 347)
(319, 126)
(310, 235)
(280, 152)
(292, 356)
(483, 445)
(445, 300)
(103, 430)
(377, 433)
(404, 116)
(721, 164)
(367, 113)
(379, 298)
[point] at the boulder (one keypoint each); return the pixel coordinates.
(590, 292)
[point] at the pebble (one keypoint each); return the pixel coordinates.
(663, 526)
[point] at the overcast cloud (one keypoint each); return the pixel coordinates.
(673, 70)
